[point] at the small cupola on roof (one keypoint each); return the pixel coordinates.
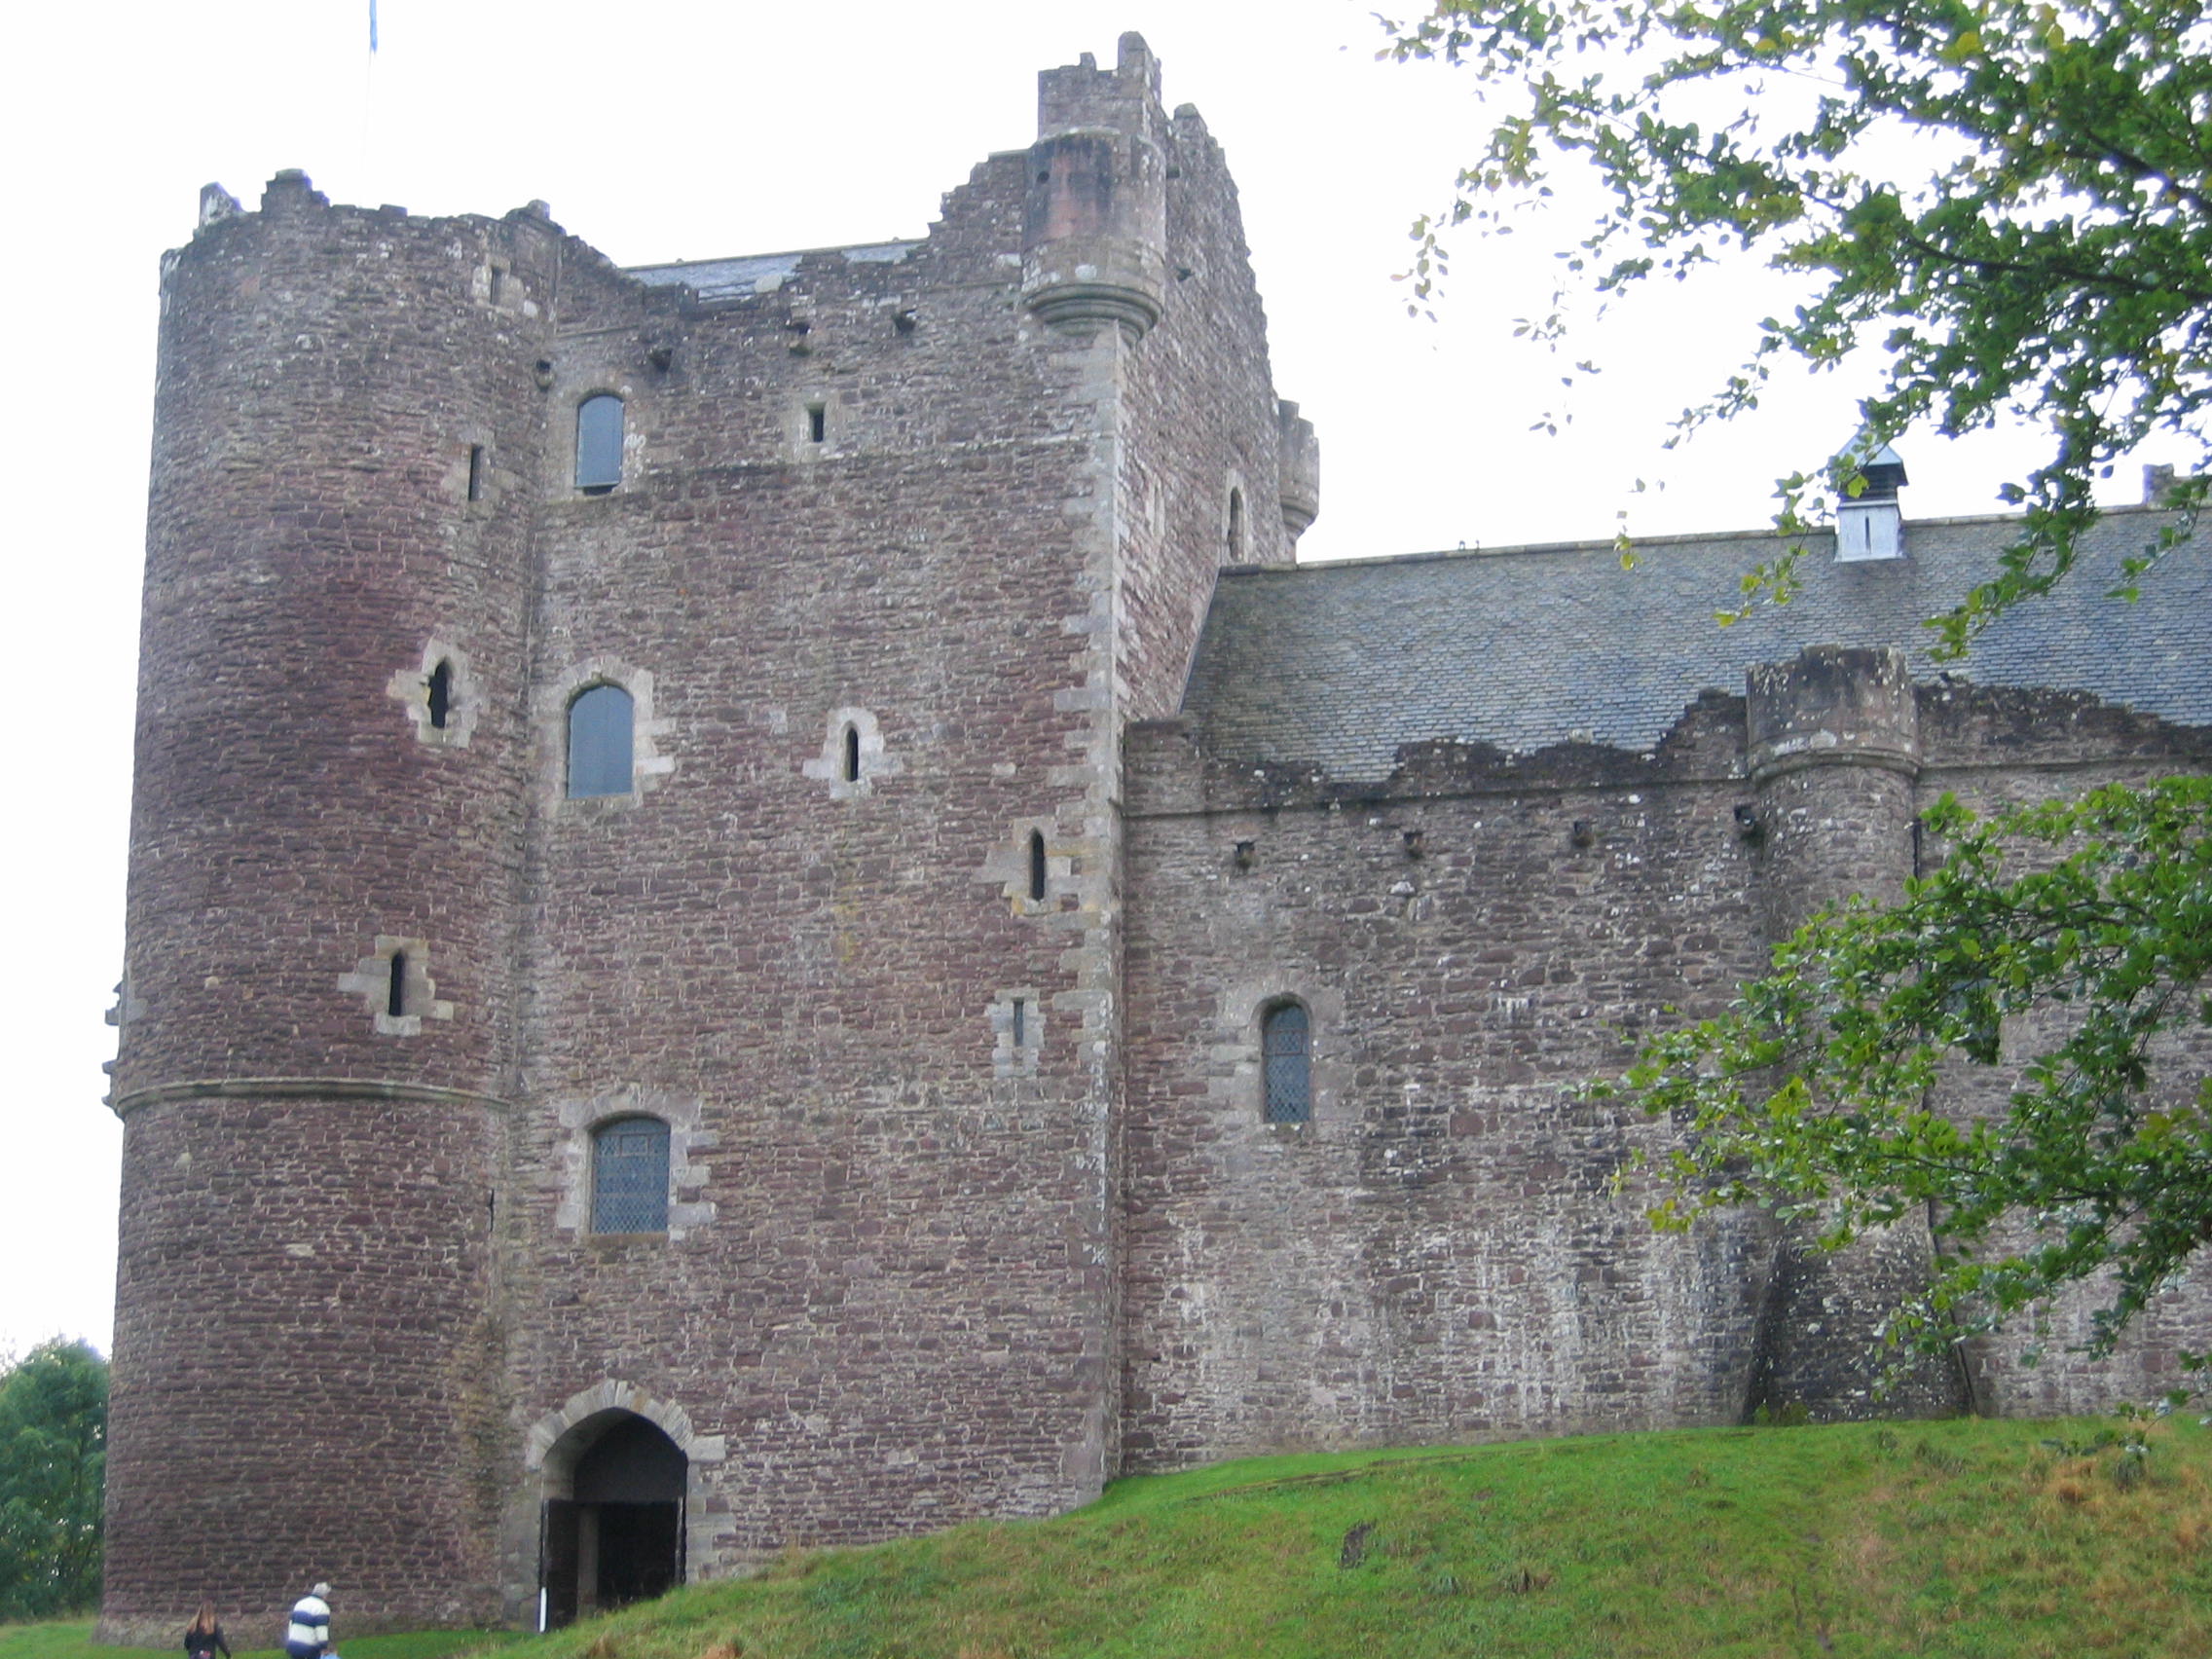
(1868, 524)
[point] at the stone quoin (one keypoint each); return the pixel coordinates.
(766, 910)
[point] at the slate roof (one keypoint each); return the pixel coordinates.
(1338, 664)
(747, 275)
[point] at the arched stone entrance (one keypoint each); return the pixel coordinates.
(611, 1529)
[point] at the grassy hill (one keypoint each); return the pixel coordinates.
(1957, 1538)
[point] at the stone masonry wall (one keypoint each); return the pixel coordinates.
(1201, 425)
(1439, 1254)
(892, 1214)
(302, 1386)
(324, 375)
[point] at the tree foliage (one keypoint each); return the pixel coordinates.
(2010, 200)
(53, 1451)
(2009, 205)
(1845, 1085)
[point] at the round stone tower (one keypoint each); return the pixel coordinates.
(315, 1045)
(1834, 739)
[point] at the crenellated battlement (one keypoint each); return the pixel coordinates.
(1124, 98)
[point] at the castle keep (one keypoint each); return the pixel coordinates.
(764, 909)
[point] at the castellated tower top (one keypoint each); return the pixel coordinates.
(1081, 95)
(1096, 219)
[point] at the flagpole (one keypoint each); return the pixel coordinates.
(368, 95)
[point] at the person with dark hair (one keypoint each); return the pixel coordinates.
(308, 1635)
(203, 1636)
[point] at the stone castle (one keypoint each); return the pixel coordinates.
(764, 909)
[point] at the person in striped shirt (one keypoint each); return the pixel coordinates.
(308, 1635)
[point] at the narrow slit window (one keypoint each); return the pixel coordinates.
(600, 743)
(441, 695)
(1037, 865)
(1235, 524)
(396, 992)
(598, 444)
(817, 422)
(852, 755)
(629, 1176)
(477, 472)
(1286, 1058)
(1020, 1022)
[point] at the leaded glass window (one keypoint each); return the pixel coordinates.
(600, 723)
(598, 444)
(629, 1176)
(1287, 1061)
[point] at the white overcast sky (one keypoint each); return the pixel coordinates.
(664, 129)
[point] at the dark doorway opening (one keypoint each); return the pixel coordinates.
(617, 1536)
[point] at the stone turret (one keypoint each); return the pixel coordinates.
(1095, 218)
(1834, 748)
(317, 1043)
(1300, 484)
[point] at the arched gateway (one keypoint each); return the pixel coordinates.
(611, 1524)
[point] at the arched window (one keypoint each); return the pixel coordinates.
(441, 695)
(629, 1176)
(600, 723)
(1286, 1060)
(852, 755)
(598, 444)
(396, 988)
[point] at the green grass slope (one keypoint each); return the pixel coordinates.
(1962, 1538)
(73, 1639)
(1958, 1538)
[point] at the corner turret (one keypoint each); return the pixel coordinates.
(1299, 484)
(1834, 748)
(1094, 223)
